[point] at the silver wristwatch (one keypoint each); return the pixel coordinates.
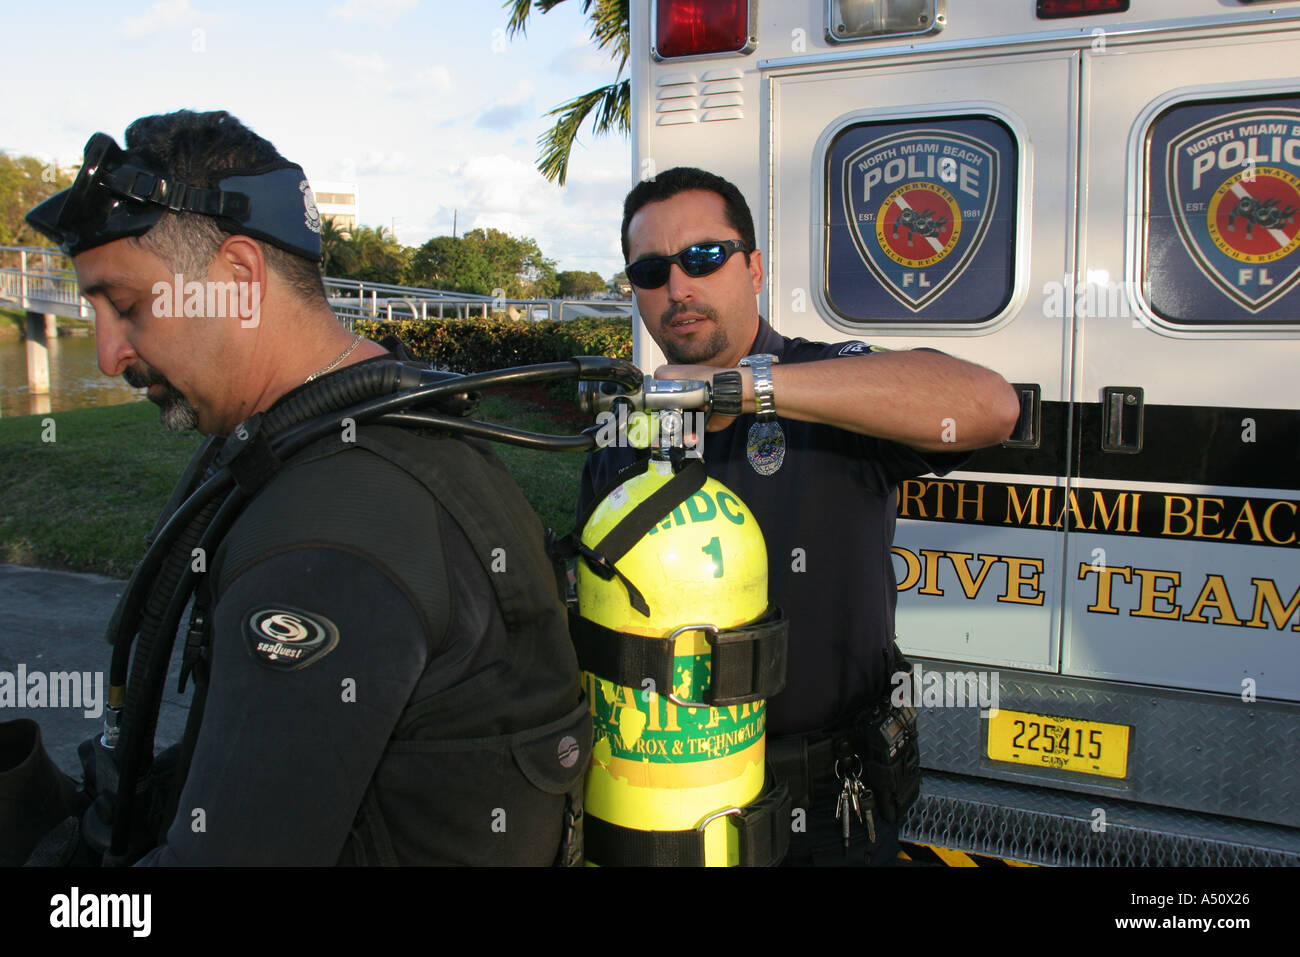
(764, 397)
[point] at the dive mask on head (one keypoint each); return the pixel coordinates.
(115, 196)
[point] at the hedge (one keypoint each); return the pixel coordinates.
(475, 345)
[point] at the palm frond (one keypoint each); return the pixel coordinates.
(613, 111)
(520, 9)
(610, 29)
(611, 105)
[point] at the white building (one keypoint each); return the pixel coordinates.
(337, 202)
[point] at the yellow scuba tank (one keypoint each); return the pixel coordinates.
(663, 761)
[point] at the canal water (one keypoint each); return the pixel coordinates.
(75, 379)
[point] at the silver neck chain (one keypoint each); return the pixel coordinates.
(334, 365)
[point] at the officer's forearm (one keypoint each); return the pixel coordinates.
(922, 399)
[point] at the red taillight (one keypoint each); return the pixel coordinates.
(1049, 9)
(698, 27)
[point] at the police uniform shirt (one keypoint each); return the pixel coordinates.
(828, 519)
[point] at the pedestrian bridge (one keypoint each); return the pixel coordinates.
(36, 279)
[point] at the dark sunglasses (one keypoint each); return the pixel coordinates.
(696, 261)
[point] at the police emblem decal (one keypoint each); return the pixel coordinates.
(287, 639)
(311, 214)
(918, 205)
(765, 447)
(1233, 186)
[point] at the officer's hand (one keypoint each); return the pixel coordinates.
(706, 373)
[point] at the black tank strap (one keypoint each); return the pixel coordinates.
(629, 471)
(763, 832)
(746, 662)
(620, 539)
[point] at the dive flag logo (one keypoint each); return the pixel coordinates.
(918, 205)
(1234, 188)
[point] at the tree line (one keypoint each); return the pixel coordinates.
(24, 182)
(481, 261)
(488, 262)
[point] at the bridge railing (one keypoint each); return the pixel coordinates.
(55, 289)
(41, 290)
(353, 299)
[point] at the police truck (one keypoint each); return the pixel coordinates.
(1100, 199)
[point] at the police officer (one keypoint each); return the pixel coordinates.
(837, 428)
(389, 676)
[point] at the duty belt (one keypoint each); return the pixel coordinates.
(879, 740)
(800, 760)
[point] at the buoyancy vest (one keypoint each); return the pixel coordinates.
(491, 771)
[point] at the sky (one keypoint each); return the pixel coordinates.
(426, 105)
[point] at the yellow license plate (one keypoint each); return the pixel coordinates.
(1066, 744)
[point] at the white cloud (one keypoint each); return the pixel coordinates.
(378, 163)
(502, 116)
(509, 110)
(382, 12)
(576, 225)
(438, 77)
(362, 65)
(429, 85)
(161, 14)
(582, 56)
(499, 187)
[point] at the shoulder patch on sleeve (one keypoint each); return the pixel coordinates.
(286, 639)
(859, 349)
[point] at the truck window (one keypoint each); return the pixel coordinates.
(920, 220)
(1222, 212)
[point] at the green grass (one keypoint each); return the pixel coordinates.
(13, 325)
(86, 500)
(549, 479)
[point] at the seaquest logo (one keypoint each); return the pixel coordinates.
(1234, 187)
(287, 639)
(918, 204)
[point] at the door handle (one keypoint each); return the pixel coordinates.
(1028, 432)
(1121, 409)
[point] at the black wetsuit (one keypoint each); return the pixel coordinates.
(391, 678)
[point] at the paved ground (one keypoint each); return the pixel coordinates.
(55, 622)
